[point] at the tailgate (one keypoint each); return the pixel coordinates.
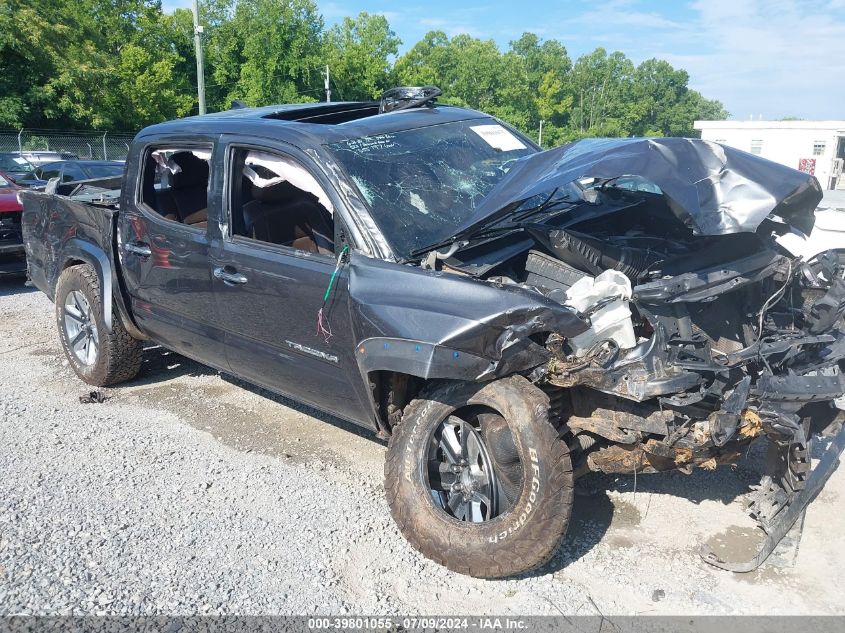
(58, 230)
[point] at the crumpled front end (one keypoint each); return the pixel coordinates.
(736, 339)
(734, 342)
(725, 354)
(706, 333)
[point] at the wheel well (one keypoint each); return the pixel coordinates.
(73, 261)
(392, 391)
(70, 262)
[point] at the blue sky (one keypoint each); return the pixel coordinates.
(773, 58)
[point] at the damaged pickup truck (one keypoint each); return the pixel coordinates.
(510, 318)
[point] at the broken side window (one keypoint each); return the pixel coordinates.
(175, 184)
(276, 200)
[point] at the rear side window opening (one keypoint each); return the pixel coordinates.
(175, 184)
(276, 200)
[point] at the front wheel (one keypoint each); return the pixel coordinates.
(478, 479)
(97, 356)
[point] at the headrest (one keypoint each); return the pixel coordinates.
(193, 171)
(273, 193)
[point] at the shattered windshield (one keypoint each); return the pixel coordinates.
(421, 184)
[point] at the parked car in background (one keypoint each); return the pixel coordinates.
(19, 170)
(12, 261)
(73, 170)
(42, 157)
(828, 232)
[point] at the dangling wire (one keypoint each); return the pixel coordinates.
(324, 328)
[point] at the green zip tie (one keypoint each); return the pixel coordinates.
(336, 270)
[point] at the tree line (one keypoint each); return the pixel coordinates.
(124, 64)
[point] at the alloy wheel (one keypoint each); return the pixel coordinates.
(81, 328)
(461, 475)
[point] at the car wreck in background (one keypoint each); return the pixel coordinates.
(511, 319)
(11, 242)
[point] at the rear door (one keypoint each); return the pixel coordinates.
(163, 245)
(272, 270)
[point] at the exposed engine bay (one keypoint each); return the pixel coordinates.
(699, 344)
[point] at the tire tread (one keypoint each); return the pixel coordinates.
(538, 540)
(120, 353)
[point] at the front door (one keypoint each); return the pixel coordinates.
(163, 245)
(272, 272)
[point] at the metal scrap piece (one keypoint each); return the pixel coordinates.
(787, 518)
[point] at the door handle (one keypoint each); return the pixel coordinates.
(138, 248)
(229, 276)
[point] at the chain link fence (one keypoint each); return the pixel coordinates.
(85, 145)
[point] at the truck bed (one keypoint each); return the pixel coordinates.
(59, 231)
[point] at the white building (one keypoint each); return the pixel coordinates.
(817, 147)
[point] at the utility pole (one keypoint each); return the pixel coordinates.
(198, 48)
(328, 89)
(540, 139)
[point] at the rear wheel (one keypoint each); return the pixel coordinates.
(97, 356)
(477, 478)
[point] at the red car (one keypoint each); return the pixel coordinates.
(12, 260)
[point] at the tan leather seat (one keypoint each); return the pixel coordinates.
(304, 242)
(285, 215)
(197, 217)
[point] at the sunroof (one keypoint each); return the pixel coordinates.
(327, 113)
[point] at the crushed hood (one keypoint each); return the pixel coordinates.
(713, 189)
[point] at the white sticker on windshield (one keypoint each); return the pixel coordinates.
(498, 137)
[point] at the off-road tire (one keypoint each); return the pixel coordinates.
(119, 355)
(520, 539)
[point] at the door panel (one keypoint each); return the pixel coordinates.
(270, 318)
(166, 263)
(170, 289)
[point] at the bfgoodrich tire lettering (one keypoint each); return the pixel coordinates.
(118, 357)
(525, 535)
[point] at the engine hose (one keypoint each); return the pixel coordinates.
(594, 256)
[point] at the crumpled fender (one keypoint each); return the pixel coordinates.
(441, 325)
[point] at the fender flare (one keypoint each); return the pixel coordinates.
(418, 358)
(433, 360)
(77, 249)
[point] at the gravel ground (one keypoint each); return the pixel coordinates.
(187, 492)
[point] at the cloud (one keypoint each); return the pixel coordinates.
(169, 6)
(449, 27)
(771, 57)
(775, 58)
(622, 14)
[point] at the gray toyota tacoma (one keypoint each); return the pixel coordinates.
(510, 318)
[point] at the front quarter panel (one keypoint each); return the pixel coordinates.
(441, 325)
